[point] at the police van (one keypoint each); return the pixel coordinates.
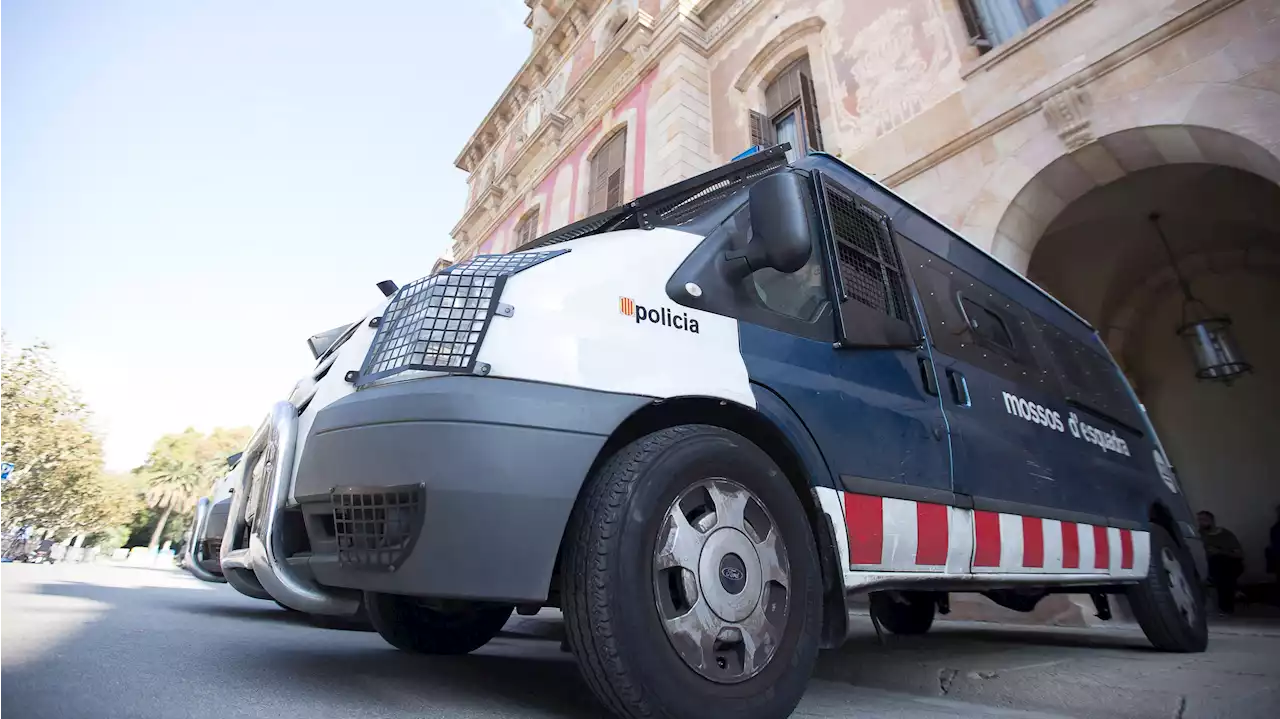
(698, 423)
(207, 524)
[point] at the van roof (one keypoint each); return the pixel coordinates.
(672, 204)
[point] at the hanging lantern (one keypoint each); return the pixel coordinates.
(1207, 334)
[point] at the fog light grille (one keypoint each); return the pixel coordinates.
(212, 548)
(376, 527)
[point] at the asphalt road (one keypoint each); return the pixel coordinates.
(80, 641)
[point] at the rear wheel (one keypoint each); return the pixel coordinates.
(691, 580)
(1169, 603)
(904, 612)
(427, 627)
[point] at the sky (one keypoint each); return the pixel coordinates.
(191, 189)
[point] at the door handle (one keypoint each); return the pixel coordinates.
(959, 388)
(927, 377)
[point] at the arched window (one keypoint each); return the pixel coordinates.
(527, 229)
(791, 112)
(608, 165)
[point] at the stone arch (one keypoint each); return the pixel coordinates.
(1060, 160)
(777, 53)
(804, 38)
(1099, 163)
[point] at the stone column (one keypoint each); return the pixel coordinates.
(678, 142)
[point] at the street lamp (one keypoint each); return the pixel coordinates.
(1206, 333)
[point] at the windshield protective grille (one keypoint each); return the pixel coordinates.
(437, 323)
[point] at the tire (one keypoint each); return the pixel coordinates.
(414, 625)
(1169, 604)
(907, 613)
(617, 601)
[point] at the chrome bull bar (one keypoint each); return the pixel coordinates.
(235, 568)
(267, 467)
(197, 537)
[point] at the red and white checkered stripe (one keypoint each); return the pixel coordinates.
(898, 535)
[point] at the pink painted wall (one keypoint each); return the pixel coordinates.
(545, 194)
(581, 59)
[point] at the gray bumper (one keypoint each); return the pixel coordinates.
(202, 564)
(500, 463)
(211, 542)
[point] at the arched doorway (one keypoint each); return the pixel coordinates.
(1097, 251)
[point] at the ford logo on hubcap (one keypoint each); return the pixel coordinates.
(733, 574)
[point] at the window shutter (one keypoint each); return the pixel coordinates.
(809, 106)
(973, 25)
(527, 230)
(761, 130)
(608, 168)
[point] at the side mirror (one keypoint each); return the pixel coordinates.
(233, 459)
(781, 213)
(319, 343)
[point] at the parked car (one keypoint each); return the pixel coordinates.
(697, 423)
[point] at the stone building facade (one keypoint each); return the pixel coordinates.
(1045, 131)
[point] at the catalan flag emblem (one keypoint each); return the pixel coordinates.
(627, 306)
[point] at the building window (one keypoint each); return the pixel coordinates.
(992, 22)
(527, 228)
(607, 167)
(791, 112)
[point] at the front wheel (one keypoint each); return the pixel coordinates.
(691, 580)
(427, 627)
(1169, 603)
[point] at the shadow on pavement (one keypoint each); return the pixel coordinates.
(200, 651)
(487, 680)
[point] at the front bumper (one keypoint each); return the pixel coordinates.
(200, 562)
(211, 545)
(256, 518)
(497, 465)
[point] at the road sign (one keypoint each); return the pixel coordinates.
(5, 469)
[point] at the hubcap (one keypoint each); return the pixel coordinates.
(1178, 585)
(721, 580)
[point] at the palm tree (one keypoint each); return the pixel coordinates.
(176, 484)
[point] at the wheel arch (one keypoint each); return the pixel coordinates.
(774, 427)
(1161, 516)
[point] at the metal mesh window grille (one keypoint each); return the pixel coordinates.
(870, 268)
(212, 548)
(438, 322)
(376, 528)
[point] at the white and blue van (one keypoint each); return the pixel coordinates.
(699, 422)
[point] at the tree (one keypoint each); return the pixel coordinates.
(182, 467)
(56, 481)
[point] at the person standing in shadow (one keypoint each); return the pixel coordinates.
(1226, 560)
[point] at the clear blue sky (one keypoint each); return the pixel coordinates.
(191, 189)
